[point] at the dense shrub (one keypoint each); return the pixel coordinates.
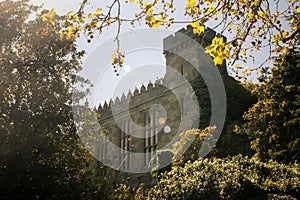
(231, 178)
(123, 192)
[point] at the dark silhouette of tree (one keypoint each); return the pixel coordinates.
(41, 156)
(273, 122)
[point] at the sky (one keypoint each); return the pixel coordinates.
(96, 63)
(141, 64)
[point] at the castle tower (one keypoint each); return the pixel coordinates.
(184, 48)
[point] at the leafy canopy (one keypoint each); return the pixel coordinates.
(252, 25)
(41, 156)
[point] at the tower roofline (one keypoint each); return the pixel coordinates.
(181, 40)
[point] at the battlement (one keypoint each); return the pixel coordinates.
(126, 97)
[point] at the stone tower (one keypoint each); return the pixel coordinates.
(185, 47)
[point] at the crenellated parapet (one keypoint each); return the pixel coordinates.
(136, 96)
(179, 40)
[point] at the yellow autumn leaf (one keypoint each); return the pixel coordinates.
(52, 13)
(156, 24)
(191, 3)
(70, 13)
(218, 60)
(114, 58)
(292, 20)
(250, 15)
(49, 16)
(284, 33)
(98, 10)
(284, 49)
(254, 4)
(261, 13)
(233, 11)
(218, 50)
(210, 10)
(150, 19)
(44, 17)
(298, 9)
(195, 24)
(209, 49)
(276, 39)
(70, 32)
(149, 11)
(198, 30)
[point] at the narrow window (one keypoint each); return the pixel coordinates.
(102, 148)
(151, 138)
(181, 69)
(125, 144)
(182, 105)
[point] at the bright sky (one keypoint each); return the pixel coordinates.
(96, 65)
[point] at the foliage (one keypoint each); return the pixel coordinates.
(213, 178)
(231, 178)
(239, 99)
(87, 126)
(273, 122)
(218, 50)
(124, 191)
(41, 156)
(187, 149)
(253, 25)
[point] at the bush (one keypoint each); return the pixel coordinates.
(123, 191)
(231, 178)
